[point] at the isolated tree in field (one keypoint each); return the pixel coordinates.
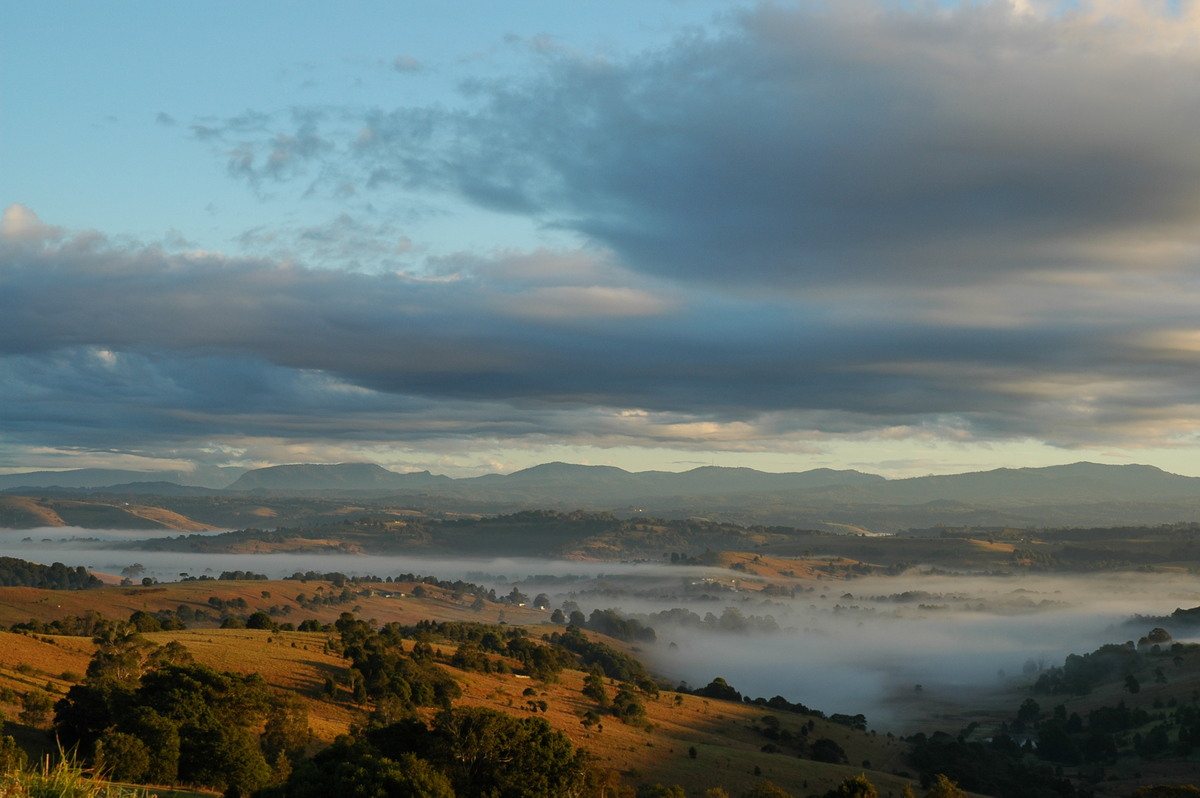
(260, 620)
(943, 786)
(1132, 684)
(857, 787)
(827, 750)
(143, 621)
(1027, 715)
(720, 689)
(36, 706)
(627, 706)
(593, 687)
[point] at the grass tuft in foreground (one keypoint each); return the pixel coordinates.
(66, 779)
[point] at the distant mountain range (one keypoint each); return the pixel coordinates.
(212, 477)
(1082, 493)
(341, 476)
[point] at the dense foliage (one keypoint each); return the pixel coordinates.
(467, 752)
(20, 573)
(149, 715)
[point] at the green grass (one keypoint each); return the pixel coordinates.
(65, 779)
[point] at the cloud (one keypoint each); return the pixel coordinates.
(406, 64)
(806, 222)
(112, 344)
(19, 224)
(809, 145)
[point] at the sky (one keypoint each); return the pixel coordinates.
(463, 236)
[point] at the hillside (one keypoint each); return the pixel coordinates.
(693, 737)
(1083, 494)
(693, 741)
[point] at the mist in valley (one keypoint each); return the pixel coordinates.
(847, 646)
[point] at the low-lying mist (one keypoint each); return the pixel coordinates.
(848, 646)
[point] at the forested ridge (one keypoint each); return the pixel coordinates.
(21, 573)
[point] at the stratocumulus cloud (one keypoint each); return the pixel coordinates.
(796, 224)
(522, 349)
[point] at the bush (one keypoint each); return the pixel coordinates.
(12, 757)
(123, 756)
(63, 780)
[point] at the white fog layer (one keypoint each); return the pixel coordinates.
(838, 646)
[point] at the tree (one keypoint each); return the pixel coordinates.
(357, 769)
(1028, 714)
(1158, 635)
(143, 621)
(1132, 685)
(661, 791)
(161, 737)
(593, 686)
(627, 707)
(856, 787)
(12, 756)
(943, 787)
(286, 733)
(720, 689)
(36, 706)
(123, 757)
(260, 620)
(827, 750)
(197, 724)
(488, 754)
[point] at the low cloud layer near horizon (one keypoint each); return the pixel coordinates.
(843, 646)
(799, 225)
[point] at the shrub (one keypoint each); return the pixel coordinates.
(65, 779)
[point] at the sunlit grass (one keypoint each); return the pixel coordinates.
(65, 779)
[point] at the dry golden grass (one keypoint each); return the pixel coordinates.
(168, 519)
(24, 511)
(728, 746)
(292, 661)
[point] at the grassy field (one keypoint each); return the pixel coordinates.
(726, 737)
(723, 734)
